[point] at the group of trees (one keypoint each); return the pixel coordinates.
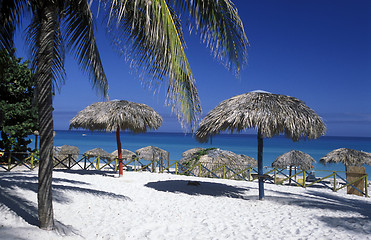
(18, 111)
(152, 32)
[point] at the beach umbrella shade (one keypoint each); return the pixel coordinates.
(152, 154)
(271, 114)
(349, 157)
(294, 158)
(117, 115)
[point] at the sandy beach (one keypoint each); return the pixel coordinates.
(142, 205)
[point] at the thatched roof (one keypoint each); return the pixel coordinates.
(217, 156)
(271, 113)
(294, 158)
(349, 157)
(107, 116)
(98, 152)
(152, 153)
(246, 160)
(63, 154)
(66, 149)
(126, 154)
(191, 151)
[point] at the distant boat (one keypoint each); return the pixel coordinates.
(84, 135)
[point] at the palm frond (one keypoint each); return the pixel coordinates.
(11, 12)
(153, 31)
(80, 32)
(220, 28)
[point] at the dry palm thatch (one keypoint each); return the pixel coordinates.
(271, 114)
(117, 115)
(152, 153)
(349, 157)
(64, 153)
(126, 154)
(192, 151)
(98, 152)
(214, 158)
(294, 158)
(246, 160)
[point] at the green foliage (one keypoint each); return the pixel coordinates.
(19, 115)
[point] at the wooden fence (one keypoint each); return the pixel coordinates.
(9, 161)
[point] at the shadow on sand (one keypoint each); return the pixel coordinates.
(10, 182)
(327, 201)
(205, 188)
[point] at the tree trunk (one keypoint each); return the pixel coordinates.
(44, 77)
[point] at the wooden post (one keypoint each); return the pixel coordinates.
(260, 165)
(335, 181)
(366, 187)
(353, 174)
(121, 172)
(9, 161)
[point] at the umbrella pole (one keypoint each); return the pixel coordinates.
(121, 172)
(260, 166)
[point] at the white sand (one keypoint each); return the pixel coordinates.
(89, 205)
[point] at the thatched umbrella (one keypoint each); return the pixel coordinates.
(63, 153)
(294, 158)
(152, 154)
(98, 152)
(213, 158)
(349, 157)
(271, 114)
(117, 115)
(192, 151)
(126, 154)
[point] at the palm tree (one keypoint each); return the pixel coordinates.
(150, 29)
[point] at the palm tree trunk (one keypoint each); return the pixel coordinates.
(44, 78)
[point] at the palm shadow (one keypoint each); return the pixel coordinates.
(205, 188)
(28, 209)
(321, 200)
(87, 172)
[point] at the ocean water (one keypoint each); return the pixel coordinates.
(177, 143)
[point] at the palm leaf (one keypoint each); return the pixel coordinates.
(11, 12)
(221, 29)
(153, 32)
(80, 32)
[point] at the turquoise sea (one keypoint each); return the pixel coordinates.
(176, 143)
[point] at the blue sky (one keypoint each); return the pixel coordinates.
(318, 51)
